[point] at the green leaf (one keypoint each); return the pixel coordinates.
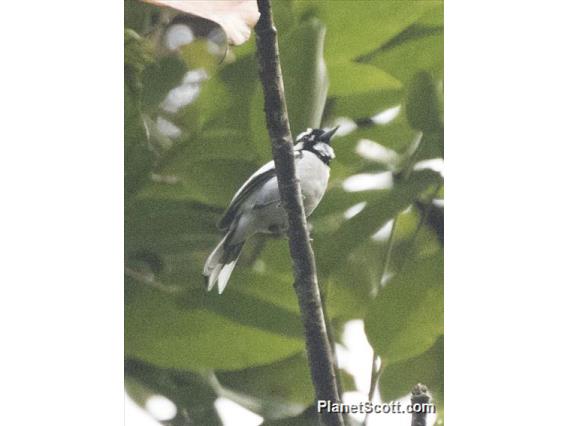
(140, 16)
(285, 380)
(271, 277)
(406, 318)
(434, 17)
(219, 144)
(422, 104)
(168, 225)
(350, 78)
(337, 201)
(333, 250)
(281, 389)
(347, 290)
(432, 145)
(138, 158)
(284, 388)
(396, 135)
(197, 55)
(219, 149)
(409, 245)
(361, 90)
(354, 29)
(357, 27)
(246, 309)
(137, 55)
(224, 102)
(364, 104)
(271, 282)
(397, 379)
(305, 75)
(192, 394)
(169, 335)
(426, 53)
(211, 182)
(308, 418)
(248, 300)
(159, 78)
(284, 18)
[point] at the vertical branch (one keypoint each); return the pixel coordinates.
(419, 396)
(305, 279)
(404, 174)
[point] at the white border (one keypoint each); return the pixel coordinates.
(62, 213)
(61, 236)
(506, 212)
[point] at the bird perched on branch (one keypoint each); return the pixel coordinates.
(256, 207)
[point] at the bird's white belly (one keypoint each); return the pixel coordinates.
(313, 175)
(264, 212)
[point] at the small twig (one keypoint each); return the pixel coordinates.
(305, 279)
(331, 337)
(405, 173)
(419, 396)
(388, 255)
(375, 374)
(149, 280)
(414, 151)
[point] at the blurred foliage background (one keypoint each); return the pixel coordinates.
(195, 130)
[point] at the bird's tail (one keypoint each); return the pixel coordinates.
(221, 262)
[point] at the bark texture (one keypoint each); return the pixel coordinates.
(419, 396)
(305, 278)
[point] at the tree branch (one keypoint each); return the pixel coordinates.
(419, 396)
(305, 279)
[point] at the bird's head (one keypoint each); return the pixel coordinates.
(317, 141)
(312, 136)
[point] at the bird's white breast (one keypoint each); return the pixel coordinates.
(263, 212)
(313, 175)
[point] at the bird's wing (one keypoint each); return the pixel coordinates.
(259, 178)
(256, 181)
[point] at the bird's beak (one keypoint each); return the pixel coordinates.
(326, 137)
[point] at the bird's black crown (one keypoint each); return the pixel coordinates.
(313, 136)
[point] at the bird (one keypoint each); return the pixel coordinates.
(256, 207)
